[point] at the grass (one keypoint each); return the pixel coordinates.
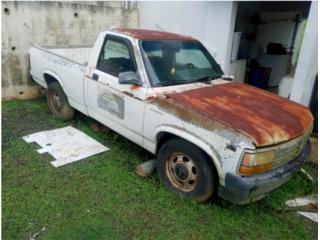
(102, 198)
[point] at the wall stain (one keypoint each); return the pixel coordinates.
(11, 69)
(51, 23)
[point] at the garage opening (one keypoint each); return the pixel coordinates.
(266, 43)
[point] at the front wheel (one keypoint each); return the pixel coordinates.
(58, 102)
(186, 170)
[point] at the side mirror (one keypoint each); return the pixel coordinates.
(129, 78)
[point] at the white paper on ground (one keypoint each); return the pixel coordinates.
(311, 215)
(304, 201)
(66, 145)
(301, 201)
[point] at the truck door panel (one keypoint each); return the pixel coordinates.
(120, 107)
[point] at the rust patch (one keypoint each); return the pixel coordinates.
(188, 114)
(134, 87)
(143, 34)
(262, 116)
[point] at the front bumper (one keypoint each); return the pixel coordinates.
(245, 189)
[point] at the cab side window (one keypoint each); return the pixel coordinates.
(115, 57)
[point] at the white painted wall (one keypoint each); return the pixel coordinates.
(307, 67)
(210, 22)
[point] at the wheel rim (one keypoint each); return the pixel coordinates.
(182, 172)
(56, 101)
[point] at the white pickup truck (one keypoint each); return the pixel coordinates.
(166, 93)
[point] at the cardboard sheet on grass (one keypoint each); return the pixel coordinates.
(306, 206)
(66, 145)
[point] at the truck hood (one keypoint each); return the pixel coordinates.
(264, 117)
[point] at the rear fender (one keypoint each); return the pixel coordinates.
(55, 76)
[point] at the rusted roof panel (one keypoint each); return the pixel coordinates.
(144, 34)
(264, 117)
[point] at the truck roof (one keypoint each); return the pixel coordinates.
(144, 34)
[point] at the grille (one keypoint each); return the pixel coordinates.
(289, 153)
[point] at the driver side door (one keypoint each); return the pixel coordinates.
(118, 106)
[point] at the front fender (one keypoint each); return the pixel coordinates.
(191, 137)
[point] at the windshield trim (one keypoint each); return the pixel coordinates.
(147, 67)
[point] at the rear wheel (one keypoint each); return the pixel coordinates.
(58, 102)
(186, 170)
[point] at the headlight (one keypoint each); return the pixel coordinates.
(257, 162)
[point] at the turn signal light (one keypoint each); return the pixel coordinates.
(257, 162)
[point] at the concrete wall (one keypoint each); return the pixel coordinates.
(211, 22)
(52, 23)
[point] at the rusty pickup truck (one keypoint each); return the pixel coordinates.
(165, 92)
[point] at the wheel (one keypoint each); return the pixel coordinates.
(58, 102)
(186, 170)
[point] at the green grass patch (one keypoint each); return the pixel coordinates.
(102, 198)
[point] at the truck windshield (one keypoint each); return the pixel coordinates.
(174, 62)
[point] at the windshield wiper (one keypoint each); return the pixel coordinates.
(173, 82)
(178, 82)
(207, 79)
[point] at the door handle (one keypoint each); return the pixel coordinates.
(95, 76)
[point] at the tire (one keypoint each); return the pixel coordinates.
(58, 102)
(186, 170)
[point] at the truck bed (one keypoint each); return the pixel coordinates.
(66, 64)
(77, 54)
